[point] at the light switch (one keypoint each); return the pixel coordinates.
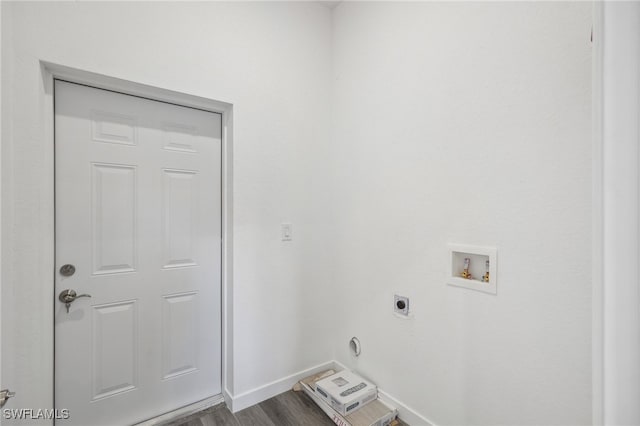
(287, 232)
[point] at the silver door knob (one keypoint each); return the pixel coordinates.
(68, 296)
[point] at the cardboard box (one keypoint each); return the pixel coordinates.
(376, 413)
(346, 392)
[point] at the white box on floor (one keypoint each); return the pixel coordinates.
(375, 413)
(346, 392)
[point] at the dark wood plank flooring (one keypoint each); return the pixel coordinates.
(287, 409)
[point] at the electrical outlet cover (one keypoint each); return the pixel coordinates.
(401, 305)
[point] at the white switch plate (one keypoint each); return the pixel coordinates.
(287, 231)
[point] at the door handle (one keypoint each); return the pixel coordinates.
(5, 394)
(68, 296)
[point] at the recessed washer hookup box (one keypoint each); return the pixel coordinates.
(346, 392)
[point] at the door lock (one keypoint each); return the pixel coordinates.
(67, 270)
(68, 296)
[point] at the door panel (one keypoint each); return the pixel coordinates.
(178, 315)
(114, 350)
(113, 218)
(179, 215)
(138, 215)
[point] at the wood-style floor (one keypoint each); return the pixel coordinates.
(290, 408)
(287, 409)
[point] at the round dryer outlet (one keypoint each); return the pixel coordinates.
(401, 305)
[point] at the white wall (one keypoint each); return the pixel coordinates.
(1, 138)
(272, 61)
(6, 50)
(465, 123)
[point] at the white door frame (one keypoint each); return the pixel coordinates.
(54, 71)
(616, 213)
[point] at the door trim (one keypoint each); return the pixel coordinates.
(51, 72)
(616, 218)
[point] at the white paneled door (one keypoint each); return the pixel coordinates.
(138, 209)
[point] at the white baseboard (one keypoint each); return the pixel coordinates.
(264, 392)
(406, 413)
(269, 390)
